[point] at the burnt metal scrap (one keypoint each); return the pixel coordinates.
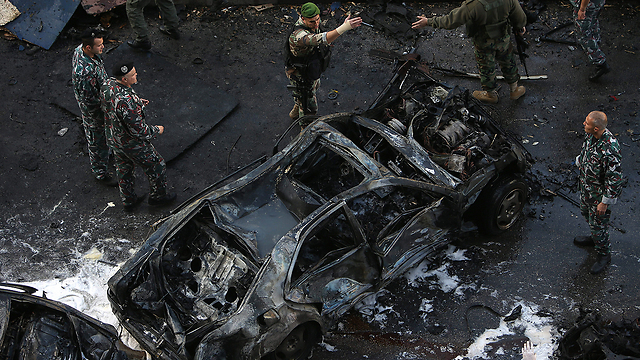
(591, 337)
(33, 327)
(277, 256)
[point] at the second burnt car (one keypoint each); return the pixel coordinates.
(260, 267)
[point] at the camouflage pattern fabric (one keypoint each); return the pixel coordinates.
(304, 91)
(135, 14)
(491, 51)
(87, 76)
(600, 180)
(129, 137)
(588, 30)
(302, 42)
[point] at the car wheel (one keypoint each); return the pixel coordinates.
(501, 205)
(298, 344)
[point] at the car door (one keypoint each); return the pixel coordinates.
(333, 265)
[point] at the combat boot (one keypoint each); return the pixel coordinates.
(516, 91)
(166, 199)
(129, 207)
(140, 44)
(601, 263)
(490, 97)
(599, 71)
(583, 241)
(172, 33)
(295, 112)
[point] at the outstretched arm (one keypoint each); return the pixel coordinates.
(348, 24)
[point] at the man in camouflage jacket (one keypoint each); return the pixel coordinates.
(87, 76)
(129, 137)
(489, 23)
(585, 17)
(303, 41)
(601, 182)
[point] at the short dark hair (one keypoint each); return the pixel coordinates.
(90, 35)
(599, 119)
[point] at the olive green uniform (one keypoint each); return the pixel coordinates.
(488, 22)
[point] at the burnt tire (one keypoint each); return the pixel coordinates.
(298, 344)
(500, 205)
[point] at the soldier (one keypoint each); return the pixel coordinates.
(600, 185)
(129, 137)
(488, 23)
(87, 76)
(135, 13)
(308, 56)
(585, 17)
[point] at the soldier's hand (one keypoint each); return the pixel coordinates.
(420, 23)
(582, 14)
(601, 209)
(161, 128)
(355, 22)
(144, 102)
(522, 31)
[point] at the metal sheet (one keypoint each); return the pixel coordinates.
(99, 6)
(8, 12)
(41, 21)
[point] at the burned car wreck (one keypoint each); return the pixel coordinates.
(262, 266)
(33, 327)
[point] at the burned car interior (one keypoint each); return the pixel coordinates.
(34, 328)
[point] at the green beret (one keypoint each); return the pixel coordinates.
(309, 10)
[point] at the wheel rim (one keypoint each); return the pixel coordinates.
(294, 345)
(510, 209)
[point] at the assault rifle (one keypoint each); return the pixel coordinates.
(522, 46)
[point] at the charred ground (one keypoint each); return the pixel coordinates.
(54, 212)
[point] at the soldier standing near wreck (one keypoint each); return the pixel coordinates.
(87, 76)
(308, 55)
(585, 17)
(488, 22)
(135, 14)
(601, 182)
(129, 137)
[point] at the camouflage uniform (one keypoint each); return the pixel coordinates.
(129, 136)
(600, 181)
(302, 42)
(588, 30)
(135, 14)
(488, 22)
(87, 76)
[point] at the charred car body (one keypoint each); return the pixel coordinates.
(33, 327)
(262, 266)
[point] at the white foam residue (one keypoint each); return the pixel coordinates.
(86, 291)
(538, 329)
(328, 347)
(425, 307)
(373, 310)
(454, 254)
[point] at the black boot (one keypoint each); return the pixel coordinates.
(129, 207)
(601, 263)
(599, 71)
(172, 33)
(583, 241)
(168, 198)
(141, 45)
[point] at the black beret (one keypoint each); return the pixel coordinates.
(122, 68)
(91, 33)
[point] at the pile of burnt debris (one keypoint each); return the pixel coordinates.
(592, 338)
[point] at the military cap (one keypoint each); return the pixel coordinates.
(309, 10)
(122, 68)
(91, 33)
